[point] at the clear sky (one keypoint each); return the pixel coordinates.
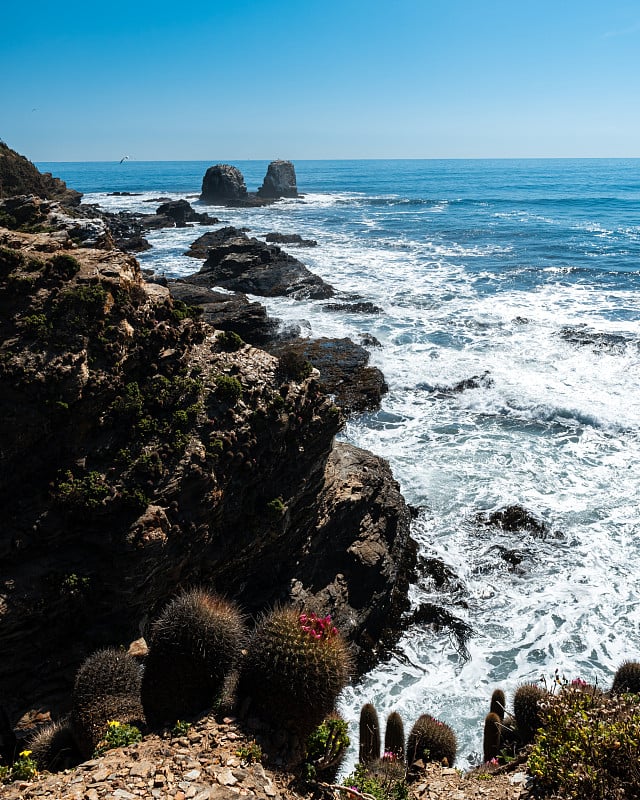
(243, 79)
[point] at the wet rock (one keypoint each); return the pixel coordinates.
(290, 238)
(483, 381)
(354, 308)
(582, 336)
(280, 180)
(514, 519)
(442, 619)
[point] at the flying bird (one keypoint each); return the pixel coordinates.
(124, 158)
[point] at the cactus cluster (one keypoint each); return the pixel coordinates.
(295, 666)
(107, 687)
(194, 644)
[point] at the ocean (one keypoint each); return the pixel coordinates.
(524, 275)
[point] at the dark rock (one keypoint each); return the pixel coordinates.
(514, 519)
(354, 308)
(365, 564)
(18, 176)
(123, 194)
(474, 382)
(582, 336)
(212, 239)
(280, 180)
(241, 264)
(290, 238)
(223, 184)
(343, 371)
(369, 340)
(181, 213)
(229, 312)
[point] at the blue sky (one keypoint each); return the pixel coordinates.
(277, 79)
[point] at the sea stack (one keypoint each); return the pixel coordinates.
(280, 181)
(223, 184)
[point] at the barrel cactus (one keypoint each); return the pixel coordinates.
(627, 678)
(492, 736)
(431, 740)
(369, 749)
(394, 737)
(193, 646)
(53, 747)
(107, 688)
(295, 666)
(498, 703)
(526, 710)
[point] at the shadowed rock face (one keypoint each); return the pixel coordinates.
(280, 180)
(18, 176)
(223, 184)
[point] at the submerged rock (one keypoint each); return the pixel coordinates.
(290, 238)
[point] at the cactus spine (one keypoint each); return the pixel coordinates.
(498, 704)
(627, 678)
(526, 710)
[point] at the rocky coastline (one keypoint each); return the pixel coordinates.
(147, 448)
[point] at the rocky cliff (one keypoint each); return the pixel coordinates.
(19, 176)
(142, 451)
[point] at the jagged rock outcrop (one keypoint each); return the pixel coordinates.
(18, 176)
(229, 312)
(223, 184)
(243, 264)
(344, 370)
(142, 452)
(280, 180)
(290, 238)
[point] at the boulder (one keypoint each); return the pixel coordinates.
(280, 180)
(244, 264)
(223, 184)
(180, 212)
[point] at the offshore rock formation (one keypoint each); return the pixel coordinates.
(224, 184)
(280, 180)
(142, 452)
(19, 176)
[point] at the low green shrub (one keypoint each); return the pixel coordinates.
(228, 389)
(229, 341)
(119, 734)
(588, 745)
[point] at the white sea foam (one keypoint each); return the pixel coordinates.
(553, 424)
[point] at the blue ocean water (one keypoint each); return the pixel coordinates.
(525, 274)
